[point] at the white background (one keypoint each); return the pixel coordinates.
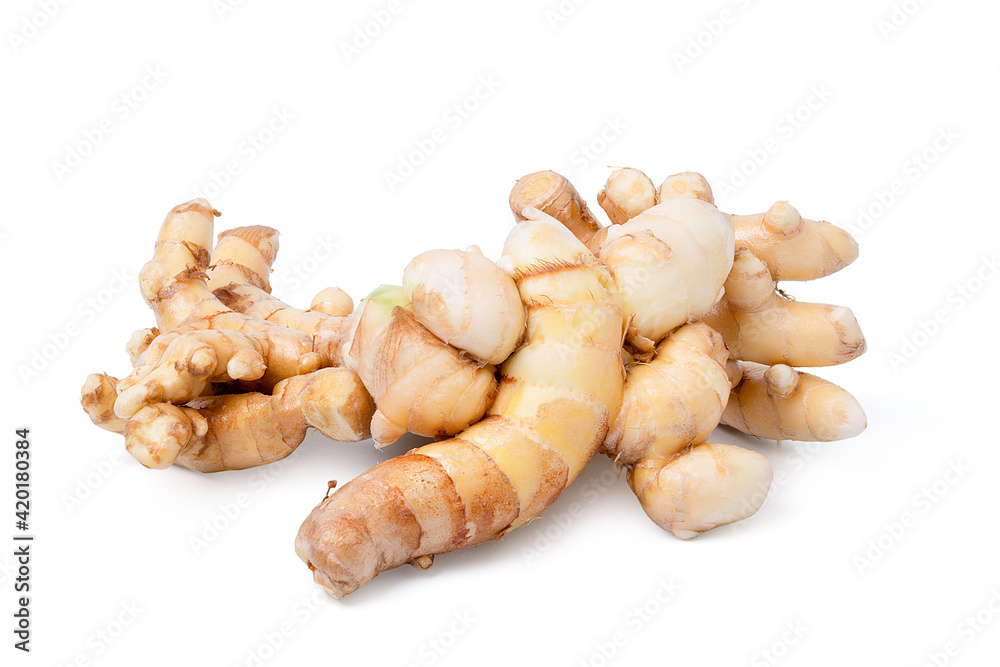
(829, 106)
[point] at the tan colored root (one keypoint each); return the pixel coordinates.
(686, 185)
(219, 345)
(172, 283)
(554, 195)
(559, 391)
(672, 401)
(627, 193)
(702, 487)
(201, 344)
(792, 247)
(670, 404)
(420, 383)
(332, 301)
(756, 321)
(180, 366)
(464, 299)
(238, 431)
(244, 256)
(241, 261)
(98, 396)
(139, 342)
(669, 261)
(759, 324)
(780, 403)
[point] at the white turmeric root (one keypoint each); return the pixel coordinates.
(559, 392)
(670, 262)
(178, 367)
(688, 290)
(685, 185)
(758, 322)
(425, 350)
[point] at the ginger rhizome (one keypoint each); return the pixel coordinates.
(222, 387)
(559, 392)
(635, 339)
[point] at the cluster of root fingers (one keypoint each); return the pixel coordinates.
(633, 340)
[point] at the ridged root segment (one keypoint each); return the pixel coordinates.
(203, 341)
(237, 431)
(173, 281)
(702, 487)
(241, 262)
(761, 325)
(553, 195)
(674, 400)
(420, 383)
(670, 404)
(551, 413)
(780, 403)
